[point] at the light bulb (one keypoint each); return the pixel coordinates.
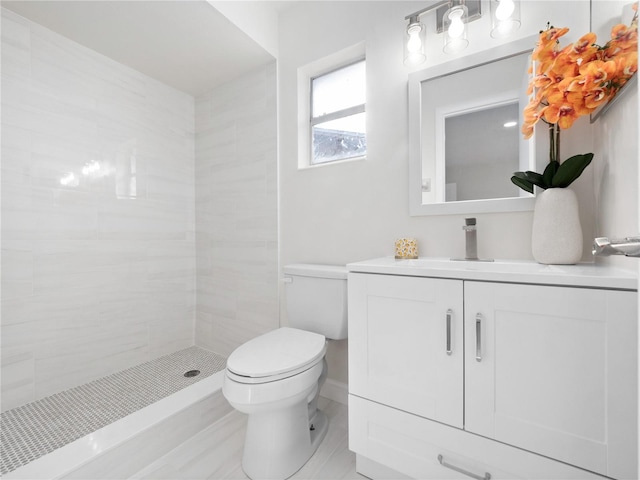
(504, 10)
(505, 15)
(456, 28)
(414, 44)
(69, 180)
(91, 168)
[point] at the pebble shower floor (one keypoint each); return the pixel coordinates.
(35, 429)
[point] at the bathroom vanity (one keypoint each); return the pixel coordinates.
(492, 370)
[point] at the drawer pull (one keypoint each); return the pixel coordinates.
(479, 337)
(449, 313)
(486, 476)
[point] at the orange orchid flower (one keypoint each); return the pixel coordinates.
(595, 98)
(547, 48)
(623, 39)
(597, 73)
(562, 114)
(532, 113)
(626, 64)
(573, 81)
(567, 83)
(584, 50)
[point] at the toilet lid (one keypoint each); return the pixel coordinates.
(279, 351)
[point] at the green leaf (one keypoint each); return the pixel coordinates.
(526, 185)
(550, 172)
(531, 177)
(571, 169)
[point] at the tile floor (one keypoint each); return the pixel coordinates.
(216, 453)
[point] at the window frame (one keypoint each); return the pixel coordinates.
(338, 114)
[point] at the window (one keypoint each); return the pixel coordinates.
(338, 115)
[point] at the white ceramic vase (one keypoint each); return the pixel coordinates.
(557, 233)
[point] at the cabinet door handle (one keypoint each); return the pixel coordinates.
(449, 314)
(478, 337)
(486, 476)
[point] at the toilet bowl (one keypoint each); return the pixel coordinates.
(276, 378)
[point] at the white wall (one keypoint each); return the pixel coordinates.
(342, 213)
(616, 153)
(353, 211)
(616, 180)
(236, 211)
(99, 276)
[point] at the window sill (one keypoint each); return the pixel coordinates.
(335, 162)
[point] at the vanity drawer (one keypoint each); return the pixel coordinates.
(412, 445)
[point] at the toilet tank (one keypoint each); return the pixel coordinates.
(316, 297)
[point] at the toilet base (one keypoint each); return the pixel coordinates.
(278, 443)
(320, 425)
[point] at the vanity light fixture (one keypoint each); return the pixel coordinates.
(452, 17)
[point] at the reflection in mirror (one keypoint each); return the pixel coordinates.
(465, 140)
(474, 168)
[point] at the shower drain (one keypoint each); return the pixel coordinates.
(192, 373)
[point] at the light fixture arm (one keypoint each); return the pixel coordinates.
(415, 16)
(441, 7)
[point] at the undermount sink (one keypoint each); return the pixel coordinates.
(477, 265)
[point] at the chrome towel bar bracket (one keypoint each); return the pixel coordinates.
(628, 246)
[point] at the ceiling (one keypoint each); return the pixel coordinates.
(188, 45)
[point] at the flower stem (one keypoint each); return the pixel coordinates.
(557, 142)
(552, 141)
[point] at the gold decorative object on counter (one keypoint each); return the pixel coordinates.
(406, 248)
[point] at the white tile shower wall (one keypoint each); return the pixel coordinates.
(236, 211)
(98, 226)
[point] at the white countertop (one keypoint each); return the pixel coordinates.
(586, 275)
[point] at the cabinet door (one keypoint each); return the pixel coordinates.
(554, 370)
(406, 344)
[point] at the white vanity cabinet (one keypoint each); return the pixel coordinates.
(521, 379)
(409, 349)
(550, 370)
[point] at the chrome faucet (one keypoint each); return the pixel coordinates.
(471, 242)
(471, 239)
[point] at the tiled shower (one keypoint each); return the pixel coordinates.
(136, 219)
(236, 211)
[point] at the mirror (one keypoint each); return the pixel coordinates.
(463, 143)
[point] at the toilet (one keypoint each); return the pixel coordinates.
(276, 378)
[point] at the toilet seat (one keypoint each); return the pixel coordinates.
(278, 354)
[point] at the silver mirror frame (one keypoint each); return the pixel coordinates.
(416, 207)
